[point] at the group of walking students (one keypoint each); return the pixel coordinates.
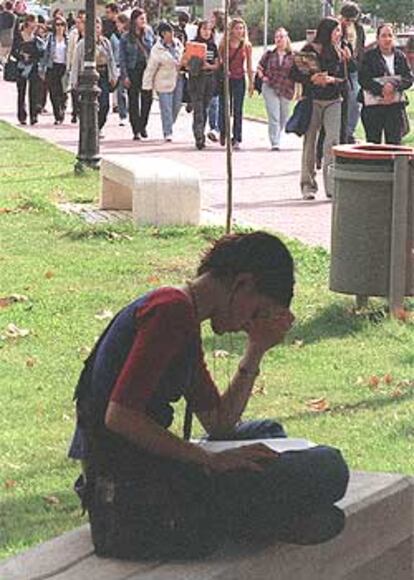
(134, 63)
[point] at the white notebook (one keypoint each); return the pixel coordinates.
(279, 445)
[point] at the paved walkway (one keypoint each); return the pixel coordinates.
(266, 183)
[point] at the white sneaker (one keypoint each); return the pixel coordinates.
(236, 146)
(168, 138)
(308, 195)
(275, 148)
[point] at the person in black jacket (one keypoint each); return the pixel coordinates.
(325, 89)
(384, 76)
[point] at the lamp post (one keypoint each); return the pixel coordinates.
(88, 146)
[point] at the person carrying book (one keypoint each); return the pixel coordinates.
(384, 76)
(202, 79)
(325, 88)
(151, 494)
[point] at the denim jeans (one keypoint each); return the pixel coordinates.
(103, 84)
(122, 101)
(354, 107)
(170, 104)
(139, 102)
(237, 92)
(213, 113)
(277, 108)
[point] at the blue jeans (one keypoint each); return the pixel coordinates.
(103, 84)
(122, 101)
(277, 108)
(170, 104)
(296, 488)
(354, 107)
(237, 92)
(213, 113)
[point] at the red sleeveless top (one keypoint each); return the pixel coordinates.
(237, 56)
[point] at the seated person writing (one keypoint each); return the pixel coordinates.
(150, 493)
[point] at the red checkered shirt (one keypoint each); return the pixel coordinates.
(278, 73)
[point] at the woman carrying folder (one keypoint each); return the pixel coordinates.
(384, 76)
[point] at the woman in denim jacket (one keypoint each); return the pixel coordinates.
(134, 49)
(54, 65)
(122, 26)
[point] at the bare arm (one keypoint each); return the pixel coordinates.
(263, 334)
(146, 434)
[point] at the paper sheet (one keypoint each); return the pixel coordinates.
(279, 445)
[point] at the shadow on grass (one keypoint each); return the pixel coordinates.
(373, 404)
(333, 321)
(42, 178)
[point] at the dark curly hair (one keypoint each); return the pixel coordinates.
(258, 253)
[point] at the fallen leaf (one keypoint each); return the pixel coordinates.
(10, 483)
(51, 500)
(220, 354)
(259, 390)
(5, 210)
(402, 315)
(31, 361)
(104, 315)
(318, 405)
(49, 274)
(8, 300)
(387, 379)
(84, 350)
(360, 381)
(298, 343)
(397, 393)
(13, 331)
(153, 280)
(373, 381)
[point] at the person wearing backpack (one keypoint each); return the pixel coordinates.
(152, 494)
(277, 87)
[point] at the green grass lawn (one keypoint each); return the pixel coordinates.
(70, 272)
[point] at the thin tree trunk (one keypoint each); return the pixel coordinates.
(227, 121)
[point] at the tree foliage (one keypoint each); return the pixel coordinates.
(288, 13)
(398, 11)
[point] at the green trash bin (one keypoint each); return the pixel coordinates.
(372, 220)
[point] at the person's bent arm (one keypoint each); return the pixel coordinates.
(147, 435)
(263, 334)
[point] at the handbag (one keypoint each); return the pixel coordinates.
(300, 119)
(258, 83)
(10, 72)
(220, 72)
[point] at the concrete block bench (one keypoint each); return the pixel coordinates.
(159, 191)
(377, 544)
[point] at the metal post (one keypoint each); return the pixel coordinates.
(266, 23)
(399, 234)
(88, 147)
(227, 119)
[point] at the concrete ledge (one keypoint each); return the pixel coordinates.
(377, 543)
(159, 191)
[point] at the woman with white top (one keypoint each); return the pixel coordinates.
(164, 75)
(383, 100)
(55, 64)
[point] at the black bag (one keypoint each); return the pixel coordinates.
(258, 83)
(10, 72)
(300, 119)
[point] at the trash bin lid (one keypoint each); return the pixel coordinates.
(372, 151)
